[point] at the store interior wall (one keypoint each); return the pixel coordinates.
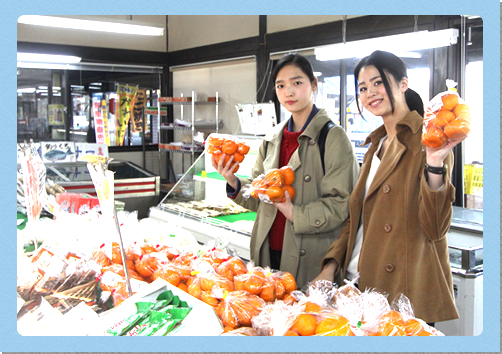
(187, 31)
(278, 23)
(235, 83)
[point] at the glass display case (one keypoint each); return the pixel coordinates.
(198, 203)
(136, 187)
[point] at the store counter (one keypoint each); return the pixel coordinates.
(136, 187)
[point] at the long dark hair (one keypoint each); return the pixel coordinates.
(297, 60)
(389, 64)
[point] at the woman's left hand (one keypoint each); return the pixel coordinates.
(286, 207)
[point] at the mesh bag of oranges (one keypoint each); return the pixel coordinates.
(271, 186)
(446, 118)
(223, 144)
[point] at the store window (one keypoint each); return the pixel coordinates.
(473, 145)
(64, 105)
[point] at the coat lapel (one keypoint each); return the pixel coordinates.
(389, 163)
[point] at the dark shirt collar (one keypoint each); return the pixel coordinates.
(312, 115)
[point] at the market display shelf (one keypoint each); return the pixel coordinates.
(181, 151)
(203, 176)
(173, 127)
(186, 103)
(223, 221)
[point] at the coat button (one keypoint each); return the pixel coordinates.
(307, 178)
(389, 268)
(317, 222)
(311, 142)
(387, 227)
(386, 189)
(303, 252)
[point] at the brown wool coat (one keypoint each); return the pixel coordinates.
(320, 207)
(405, 249)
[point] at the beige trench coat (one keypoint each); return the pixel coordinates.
(405, 249)
(321, 203)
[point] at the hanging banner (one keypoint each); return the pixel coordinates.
(98, 117)
(104, 113)
(126, 96)
(56, 114)
(139, 104)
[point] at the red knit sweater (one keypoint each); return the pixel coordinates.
(289, 144)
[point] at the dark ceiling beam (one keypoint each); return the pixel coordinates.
(98, 55)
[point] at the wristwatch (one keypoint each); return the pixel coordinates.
(435, 170)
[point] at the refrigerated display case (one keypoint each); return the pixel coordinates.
(199, 204)
(465, 242)
(133, 185)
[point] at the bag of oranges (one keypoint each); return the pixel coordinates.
(238, 308)
(276, 319)
(271, 186)
(219, 144)
(446, 118)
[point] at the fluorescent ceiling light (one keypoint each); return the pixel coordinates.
(88, 25)
(47, 58)
(26, 90)
(399, 43)
(317, 73)
(94, 88)
(96, 83)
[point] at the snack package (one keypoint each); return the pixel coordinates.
(271, 186)
(223, 144)
(446, 118)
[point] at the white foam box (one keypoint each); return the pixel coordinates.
(201, 321)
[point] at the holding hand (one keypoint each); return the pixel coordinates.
(226, 170)
(286, 207)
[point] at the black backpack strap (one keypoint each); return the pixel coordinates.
(321, 141)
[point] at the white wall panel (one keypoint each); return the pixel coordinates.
(189, 31)
(277, 23)
(235, 83)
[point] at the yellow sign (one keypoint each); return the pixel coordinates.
(126, 96)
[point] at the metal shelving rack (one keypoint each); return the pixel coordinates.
(164, 125)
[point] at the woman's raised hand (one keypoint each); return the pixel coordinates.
(226, 170)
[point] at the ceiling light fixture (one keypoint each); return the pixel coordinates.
(47, 58)
(399, 43)
(88, 25)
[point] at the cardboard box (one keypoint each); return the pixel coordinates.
(474, 201)
(201, 321)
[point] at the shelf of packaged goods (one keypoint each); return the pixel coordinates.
(182, 151)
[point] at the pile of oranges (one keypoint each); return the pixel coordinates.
(451, 122)
(271, 187)
(221, 144)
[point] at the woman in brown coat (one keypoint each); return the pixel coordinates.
(401, 207)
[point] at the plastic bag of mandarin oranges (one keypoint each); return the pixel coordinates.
(227, 145)
(447, 117)
(276, 319)
(271, 186)
(237, 308)
(318, 316)
(396, 319)
(265, 283)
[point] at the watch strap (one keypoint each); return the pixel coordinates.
(435, 170)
